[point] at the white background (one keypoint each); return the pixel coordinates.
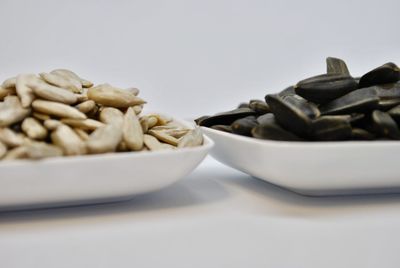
(195, 57)
(191, 58)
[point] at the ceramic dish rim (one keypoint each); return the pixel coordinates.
(313, 144)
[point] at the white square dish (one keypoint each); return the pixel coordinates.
(94, 178)
(313, 168)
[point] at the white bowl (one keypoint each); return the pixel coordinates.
(313, 168)
(94, 178)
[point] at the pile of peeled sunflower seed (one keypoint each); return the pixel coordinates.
(328, 107)
(59, 113)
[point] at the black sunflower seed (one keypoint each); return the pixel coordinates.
(387, 73)
(243, 126)
(259, 106)
(356, 118)
(269, 129)
(358, 101)
(225, 118)
(395, 113)
(331, 127)
(336, 66)
(200, 119)
(386, 104)
(361, 134)
(265, 118)
(324, 88)
(384, 125)
(388, 91)
(293, 113)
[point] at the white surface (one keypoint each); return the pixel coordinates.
(192, 57)
(313, 168)
(216, 217)
(94, 178)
